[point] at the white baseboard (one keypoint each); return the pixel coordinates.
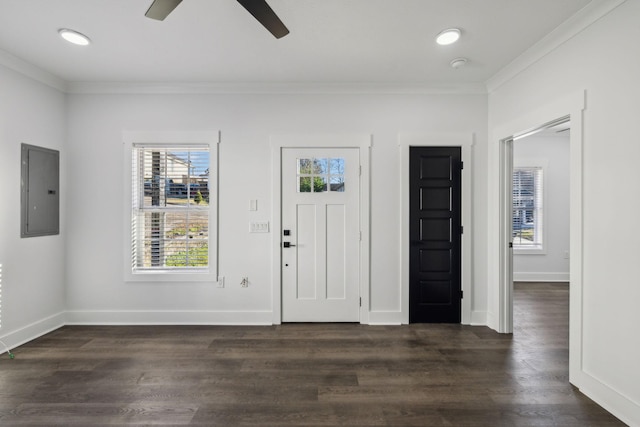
(479, 318)
(168, 317)
(540, 277)
(385, 318)
(619, 405)
(34, 330)
(492, 321)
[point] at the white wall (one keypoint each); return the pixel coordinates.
(552, 264)
(33, 285)
(601, 61)
(96, 291)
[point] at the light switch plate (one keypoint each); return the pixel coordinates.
(259, 227)
(253, 205)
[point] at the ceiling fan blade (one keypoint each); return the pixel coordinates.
(266, 16)
(160, 9)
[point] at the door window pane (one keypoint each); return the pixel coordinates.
(305, 184)
(320, 166)
(320, 175)
(337, 183)
(337, 167)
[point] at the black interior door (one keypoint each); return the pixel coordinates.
(435, 228)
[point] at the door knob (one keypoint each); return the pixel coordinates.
(287, 245)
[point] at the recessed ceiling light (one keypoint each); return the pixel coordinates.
(74, 37)
(458, 62)
(448, 36)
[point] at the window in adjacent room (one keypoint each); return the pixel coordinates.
(528, 208)
(173, 206)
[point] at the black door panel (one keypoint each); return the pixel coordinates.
(435, 234)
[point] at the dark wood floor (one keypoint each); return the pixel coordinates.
(302, 374)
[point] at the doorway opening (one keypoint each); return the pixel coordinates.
(571, 106)
(540, 237)
(523, 206)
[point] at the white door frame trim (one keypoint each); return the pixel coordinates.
(500, 316)
(455, 139)
(357, 140)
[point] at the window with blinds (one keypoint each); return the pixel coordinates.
(527, 208)
(170, 208)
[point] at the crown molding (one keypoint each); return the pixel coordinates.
(34, 72)
(38, 74)
(563, 33)
(271, 88)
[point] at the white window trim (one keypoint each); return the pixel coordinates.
(541, 164)
(172, 138)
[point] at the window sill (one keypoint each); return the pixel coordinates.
(171, 276)
(534, 250)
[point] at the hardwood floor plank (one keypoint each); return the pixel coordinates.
(74, 414)
(304, 374)
(290, 414)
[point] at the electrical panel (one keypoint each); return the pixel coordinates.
(40, 191)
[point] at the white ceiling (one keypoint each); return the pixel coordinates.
(331, 41)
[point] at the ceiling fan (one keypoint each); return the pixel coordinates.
(260, 10)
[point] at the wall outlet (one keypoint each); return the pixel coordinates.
(566, 254)
(245, 282)
(220, 282)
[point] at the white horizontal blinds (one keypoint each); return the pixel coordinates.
(170, 217)
(527, 207)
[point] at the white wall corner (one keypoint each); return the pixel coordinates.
(619, 405)
(478, 318)
(492, 321)
(33, 330)
(33, 72)
(564, 32)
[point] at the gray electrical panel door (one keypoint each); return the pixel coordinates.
(40, 192)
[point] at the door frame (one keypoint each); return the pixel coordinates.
(455, 139)
(500, 282)
(363, 142)
(506, 218)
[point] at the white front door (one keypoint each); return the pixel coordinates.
(320, 235)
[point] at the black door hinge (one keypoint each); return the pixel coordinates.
(360, 301)
(461, 229)
(461, 294)
(461, 165)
